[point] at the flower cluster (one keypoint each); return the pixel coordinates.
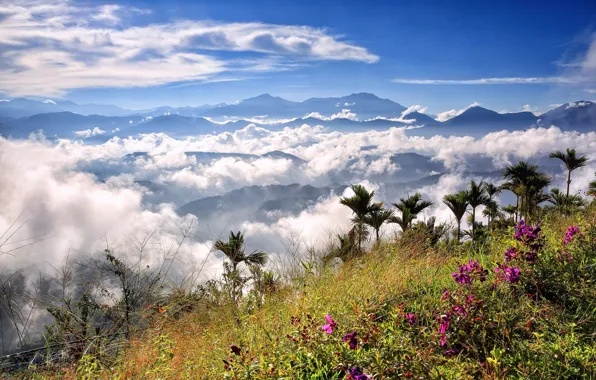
(511, 254)
(357, 374)
(529, 236)
(526, 233)
(571, 232)
(509, 274)
(467, 272)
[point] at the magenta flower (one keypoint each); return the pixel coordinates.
(509, 274)
(445, 321)
(451, 352)
(351, 339)
(411, 318)
(445, 295)
(464, 275)
(531, 256)
(460, 310)
(357, 374)
(461, 277)
(511, 254)
(526, 233)
(331, 324)
(571, 232)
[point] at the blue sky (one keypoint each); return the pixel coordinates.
(146, 53)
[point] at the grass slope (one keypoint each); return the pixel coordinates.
(412, 320)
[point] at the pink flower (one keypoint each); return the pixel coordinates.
(351, 339)
(411, 318)
(571, 232)
(445, 321)
(460, 310)
(331, 324)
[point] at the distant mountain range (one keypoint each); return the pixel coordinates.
(356, 112)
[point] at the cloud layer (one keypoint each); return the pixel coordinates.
(52, 47)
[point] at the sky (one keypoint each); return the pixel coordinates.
(504, 55)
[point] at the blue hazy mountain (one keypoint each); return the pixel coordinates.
(579, 116)
(21, 107)
(65, 124)
(476, 121)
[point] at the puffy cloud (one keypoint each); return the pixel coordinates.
(96, 46)
(88, 132)
(414, 108)
(444, 116)
(76, 214)
(344, 114)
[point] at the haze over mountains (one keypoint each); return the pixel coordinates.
(357, 112)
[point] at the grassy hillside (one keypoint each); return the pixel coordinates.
(404, 309)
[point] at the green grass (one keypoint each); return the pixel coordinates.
(541, 327)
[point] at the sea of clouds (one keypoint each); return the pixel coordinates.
(80, 197)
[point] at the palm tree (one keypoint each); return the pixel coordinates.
(458, 204)
(476, 197)
(592, 189)
(343, 250)
(377, 218)
(515, 188)
(234, 251)
(511, 210)
(410, 207)
(361, 204)
(491, 190)
(571, 162)
(491, 211)
(405, 220)
(528, 185)
(564, 202)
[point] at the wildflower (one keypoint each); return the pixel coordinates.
(463, 276)
(571, 232)
(460, 310)
(509, 274)
(526, 233)
(331, 324)
(445, 321)
(351, 339)
(511, 254)
(451, 352)
(445, 295)
(531, 256)
(357, 374)
(235, 349)
(411, 318)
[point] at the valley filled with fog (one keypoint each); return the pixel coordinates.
(64, 196)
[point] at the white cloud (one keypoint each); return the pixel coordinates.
(537, 80)
(344, 114)
(577, 105)
(77, 212)
(444, 116)
(88, 133)
(414, 108)
(87, 46)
